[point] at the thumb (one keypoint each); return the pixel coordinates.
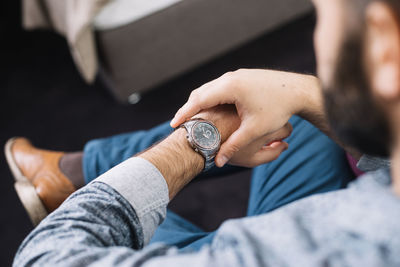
(240, 138)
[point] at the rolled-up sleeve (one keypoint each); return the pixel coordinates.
(144, 187)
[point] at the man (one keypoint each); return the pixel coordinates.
(109, 221)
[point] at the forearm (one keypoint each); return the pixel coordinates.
(311, 108)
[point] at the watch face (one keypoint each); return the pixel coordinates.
(205, 135)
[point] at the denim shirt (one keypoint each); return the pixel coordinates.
(110, 221)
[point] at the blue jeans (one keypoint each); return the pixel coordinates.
(312, 164)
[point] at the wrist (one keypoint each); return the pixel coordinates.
(308, 97)
(176, 160)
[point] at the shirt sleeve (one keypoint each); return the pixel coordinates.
(144, 187)
(112, 217)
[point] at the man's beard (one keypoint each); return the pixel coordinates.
(354, 117)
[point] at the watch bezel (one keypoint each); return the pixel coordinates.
(217, 134)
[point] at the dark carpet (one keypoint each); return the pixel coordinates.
(44, 98)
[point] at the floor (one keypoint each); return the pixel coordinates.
(42, 97)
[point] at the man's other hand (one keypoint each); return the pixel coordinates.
(262, 150)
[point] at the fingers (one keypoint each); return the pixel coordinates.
(207, 96)
(257, 152)
(239, 139)
(282, 133)
(268, 153)
(245, 135)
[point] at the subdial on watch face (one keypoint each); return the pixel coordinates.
(205, 135)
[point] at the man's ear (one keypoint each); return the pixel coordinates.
(382, 51)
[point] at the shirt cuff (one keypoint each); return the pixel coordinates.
(369, 163)
(144, 187)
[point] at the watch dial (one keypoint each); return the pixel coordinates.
(205, 135)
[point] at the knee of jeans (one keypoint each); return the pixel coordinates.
(93, 147)
(93, 144)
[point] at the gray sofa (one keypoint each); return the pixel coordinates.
(137, 56)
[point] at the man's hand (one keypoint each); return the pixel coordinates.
(262, 150)
(264, 100)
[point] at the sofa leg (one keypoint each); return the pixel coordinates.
(134, 98)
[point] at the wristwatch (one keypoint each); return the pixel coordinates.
(204, 138)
